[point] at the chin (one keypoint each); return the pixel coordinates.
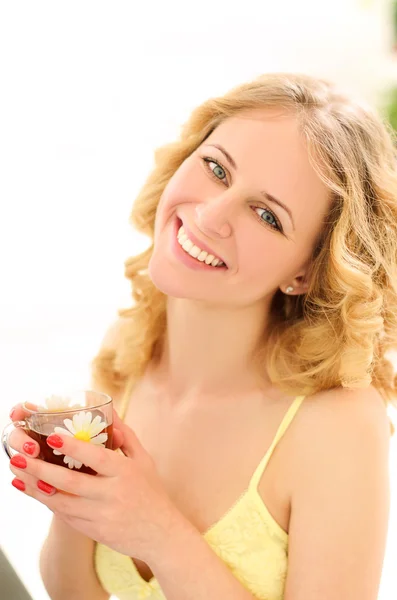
(166, 280)
(171, 282)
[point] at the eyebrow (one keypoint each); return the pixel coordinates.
(265, 194)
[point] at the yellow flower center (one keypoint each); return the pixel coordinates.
(84, 436)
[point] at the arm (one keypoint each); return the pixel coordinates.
(67, 565)
(340, 504)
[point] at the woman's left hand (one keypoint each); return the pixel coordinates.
(125, 506)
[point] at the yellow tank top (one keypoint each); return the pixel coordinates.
(247, 538)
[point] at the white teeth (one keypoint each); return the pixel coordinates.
(188, 245)
(196, 252)
(202, 255)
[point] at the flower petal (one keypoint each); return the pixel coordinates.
(99, 439)
(71, 462)
(57, 403)
(68, 423)
(87, 420)
(78, 419)
(96, 426)
(62, 431)
(57, 452)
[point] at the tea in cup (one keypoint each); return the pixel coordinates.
(85, 415)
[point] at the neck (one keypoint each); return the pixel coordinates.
(209, 351)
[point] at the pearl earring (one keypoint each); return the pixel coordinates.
(289, 289)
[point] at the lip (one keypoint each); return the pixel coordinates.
(197, 242)
(188, 260)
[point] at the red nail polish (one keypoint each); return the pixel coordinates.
(29, 447)
(19, 462)
(55, 440)
(17, 483)
(45, 487)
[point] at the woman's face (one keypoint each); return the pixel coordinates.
(231, 210)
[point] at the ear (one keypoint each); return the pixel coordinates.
(301, 281)
(300, 285)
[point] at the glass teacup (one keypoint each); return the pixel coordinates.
(85, 415)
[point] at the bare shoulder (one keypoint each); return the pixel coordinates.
(344, 412)
(340, 496)
(336, 424)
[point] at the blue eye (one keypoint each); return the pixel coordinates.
(208, 161)
(269, 212)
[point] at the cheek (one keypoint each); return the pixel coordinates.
(263, 262)
(260, 252)
(186, 186)
(170, 199)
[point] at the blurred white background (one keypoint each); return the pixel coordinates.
(88, 91)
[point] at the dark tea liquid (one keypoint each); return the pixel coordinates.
(47, 428)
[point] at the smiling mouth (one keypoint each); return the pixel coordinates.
(192, 248)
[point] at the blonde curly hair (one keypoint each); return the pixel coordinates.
(338, 333)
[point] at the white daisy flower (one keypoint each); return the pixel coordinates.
(82, 427)
(56, 404)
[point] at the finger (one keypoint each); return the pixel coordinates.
(65, 504)
(117, 421)
(131, 445)
(29, 481)
(103, 460)
(21, 442)
(61, 478)
(117, 439)
(118, 427)
(17, 413)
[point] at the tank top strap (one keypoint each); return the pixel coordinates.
(126, 397)
(288, 417)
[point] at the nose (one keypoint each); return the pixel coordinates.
(213, 217)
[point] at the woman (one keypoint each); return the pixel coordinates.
(250, 373)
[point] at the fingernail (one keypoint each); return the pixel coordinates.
(29, 447)
(45, 487)
(17, 483)
(55, 440)
(12, 413)
(19, 462)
